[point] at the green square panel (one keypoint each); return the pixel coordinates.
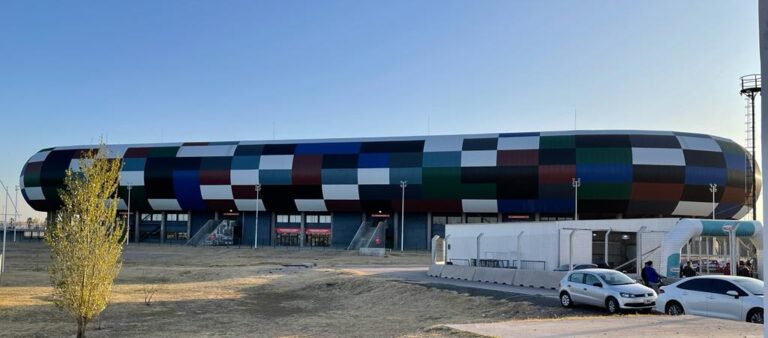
(478, 191)
(557, 142)
(163, 152)
(605, 191)
(441, 183)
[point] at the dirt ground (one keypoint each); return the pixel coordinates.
(241, 292)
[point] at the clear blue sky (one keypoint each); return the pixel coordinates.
(146, 71)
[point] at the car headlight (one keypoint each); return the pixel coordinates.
(626, 295)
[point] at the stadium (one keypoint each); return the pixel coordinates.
(343, 192)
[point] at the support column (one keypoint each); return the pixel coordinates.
(137, 227)
(301, 232)
(429, 231)
(272, 221)
(396, 233)
(216, 215)
(162, 227)
(189, 225)
(330, 237)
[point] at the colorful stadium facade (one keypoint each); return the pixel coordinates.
(317, 192)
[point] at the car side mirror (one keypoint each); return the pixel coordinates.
(598, 285)
(733, 293)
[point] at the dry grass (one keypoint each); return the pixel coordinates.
(239, 292)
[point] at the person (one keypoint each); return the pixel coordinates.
(651, 276)
(742, 270)
(687, 270)
(727, 268)
(750, 268)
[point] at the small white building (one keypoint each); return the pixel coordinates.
(550, 245)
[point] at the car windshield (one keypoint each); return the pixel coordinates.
(753, 286)
(615, 278)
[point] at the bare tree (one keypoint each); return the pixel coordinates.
(86, 238)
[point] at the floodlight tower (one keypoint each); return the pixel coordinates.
(750, 89)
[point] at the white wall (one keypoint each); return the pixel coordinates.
(539, 241)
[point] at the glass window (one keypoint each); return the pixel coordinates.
(490, 219)
(282, 218)
(722, 287)
(616, 278)
(439, 219)
(295, 219)
(157, 217)
(454, 220)
(325, 219)
(699, 284)
(146, 217)
(576, 278)
(313, 218)
(171, 217)
(590, 279)
(183, 217)
(474, 219)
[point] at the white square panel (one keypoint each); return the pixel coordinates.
(133, 178)
(34, 193)
(310, 205)
(249, 205)
(276, 162)
(373, 176)
(443, 143)
(518, 143)
(340, 192)
(206, 151)
(164, 204)
(478, 158)
(39, 157)
(216, 192)
(244, 177)
(686, 208)
(698, 143)
(489, 206)
(658, 156)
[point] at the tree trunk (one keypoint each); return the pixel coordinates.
(81, 323)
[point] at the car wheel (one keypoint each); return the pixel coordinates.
(674, 309)
(612, 305)
(755, 316)
(565, 299)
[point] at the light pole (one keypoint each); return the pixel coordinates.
(403, 184)
(15, 213)
(576, 183)
(713, 189)
(256, 228)
(5, 230)
(128, 219)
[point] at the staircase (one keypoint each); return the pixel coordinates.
(366, 234)
(363, 232)
(208, 228)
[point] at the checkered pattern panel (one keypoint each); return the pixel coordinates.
(633, 173)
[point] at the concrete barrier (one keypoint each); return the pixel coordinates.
(538, 279)
(495, 275)
(435, 270)
(458, 272)
(380, 252)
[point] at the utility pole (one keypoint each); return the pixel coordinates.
(713, 189)
(256, 228)
(403, 184)
(128, 218)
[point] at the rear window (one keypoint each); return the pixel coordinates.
(576, 278)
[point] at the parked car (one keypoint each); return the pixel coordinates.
(605, 288)
(564, 267)
(728, 297)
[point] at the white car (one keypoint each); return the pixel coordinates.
(605, 288)
(728, 297)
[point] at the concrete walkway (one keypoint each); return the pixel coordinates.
(418, 274)
(623, 326)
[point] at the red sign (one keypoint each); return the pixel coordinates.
(317, 231)
(288, 230)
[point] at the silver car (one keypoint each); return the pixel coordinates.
(727, 297)
(606, 288)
